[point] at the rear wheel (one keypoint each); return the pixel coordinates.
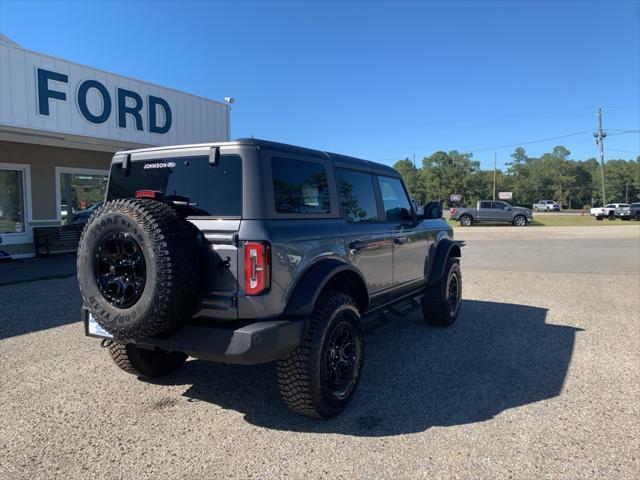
(520, 221)
(442, 301)
(466, 220)
(145, 363)
(319, 378)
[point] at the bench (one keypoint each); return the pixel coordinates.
(59, 239)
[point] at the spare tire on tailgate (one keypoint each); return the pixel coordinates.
(138, 268)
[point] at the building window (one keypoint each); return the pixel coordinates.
(13, 217)
(80, 192)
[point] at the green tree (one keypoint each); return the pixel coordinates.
(445, 173)
(413, 180)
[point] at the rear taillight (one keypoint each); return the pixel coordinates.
(257, 267)
(453, 211)
(148, 194)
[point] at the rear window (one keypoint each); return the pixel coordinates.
(208, 190)
(300, 186)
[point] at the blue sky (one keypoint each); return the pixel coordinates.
(376, 80)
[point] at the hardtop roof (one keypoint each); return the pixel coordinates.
(274, 146)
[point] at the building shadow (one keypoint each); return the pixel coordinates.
(497, 356)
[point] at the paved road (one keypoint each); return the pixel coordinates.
(538, 379)
(610, 249)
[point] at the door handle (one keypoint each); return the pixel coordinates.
(400, 240)
(357, 245)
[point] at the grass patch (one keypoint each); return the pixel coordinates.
(563, 221)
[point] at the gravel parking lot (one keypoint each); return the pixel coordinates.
(538, 379)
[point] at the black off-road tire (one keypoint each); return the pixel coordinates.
(145, 363)
(169, 246)
(302, 375)
(436, 308)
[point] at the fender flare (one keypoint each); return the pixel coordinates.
(446, 248)
(306, 291)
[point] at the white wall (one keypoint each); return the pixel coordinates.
(194, 119)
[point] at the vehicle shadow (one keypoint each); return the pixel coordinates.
(497, 356)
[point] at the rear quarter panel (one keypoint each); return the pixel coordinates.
(297, 244)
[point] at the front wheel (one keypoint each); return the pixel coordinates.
(143, 362)
(520, 221)
(442, 301)
(319, 378)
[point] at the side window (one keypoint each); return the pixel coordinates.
(499, 206)
(300, 186)
(357, 197)
(395, 200)
(485, 204)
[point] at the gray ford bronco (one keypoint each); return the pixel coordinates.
(253, 251)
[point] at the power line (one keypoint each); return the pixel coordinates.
(624, 151)
(528, 142)
(624, 132)
(542, 140)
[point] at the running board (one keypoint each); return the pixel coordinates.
(380, 318)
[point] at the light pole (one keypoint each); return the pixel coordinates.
(229, 101)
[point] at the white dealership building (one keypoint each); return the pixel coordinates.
(60, 123)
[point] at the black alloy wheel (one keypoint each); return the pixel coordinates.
(340, 360)
(453, 294)
(120, 269)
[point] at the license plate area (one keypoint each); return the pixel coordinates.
(92, 328)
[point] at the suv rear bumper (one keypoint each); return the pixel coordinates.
(242, 344)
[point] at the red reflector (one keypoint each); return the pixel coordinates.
(148, 194)
(257, 267)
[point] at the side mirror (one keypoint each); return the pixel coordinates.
(432, 210)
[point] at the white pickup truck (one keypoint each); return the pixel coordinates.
(607, 211)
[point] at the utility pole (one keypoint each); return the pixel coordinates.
(495, 161)
(600, 136)
(414, 160)
(626, 192)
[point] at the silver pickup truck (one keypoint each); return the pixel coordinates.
(492, 212)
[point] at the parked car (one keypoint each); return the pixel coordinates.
(546, 206)
(492, 212)
(251, 251)
(608, 211)
(82, 216)
(628, 212)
